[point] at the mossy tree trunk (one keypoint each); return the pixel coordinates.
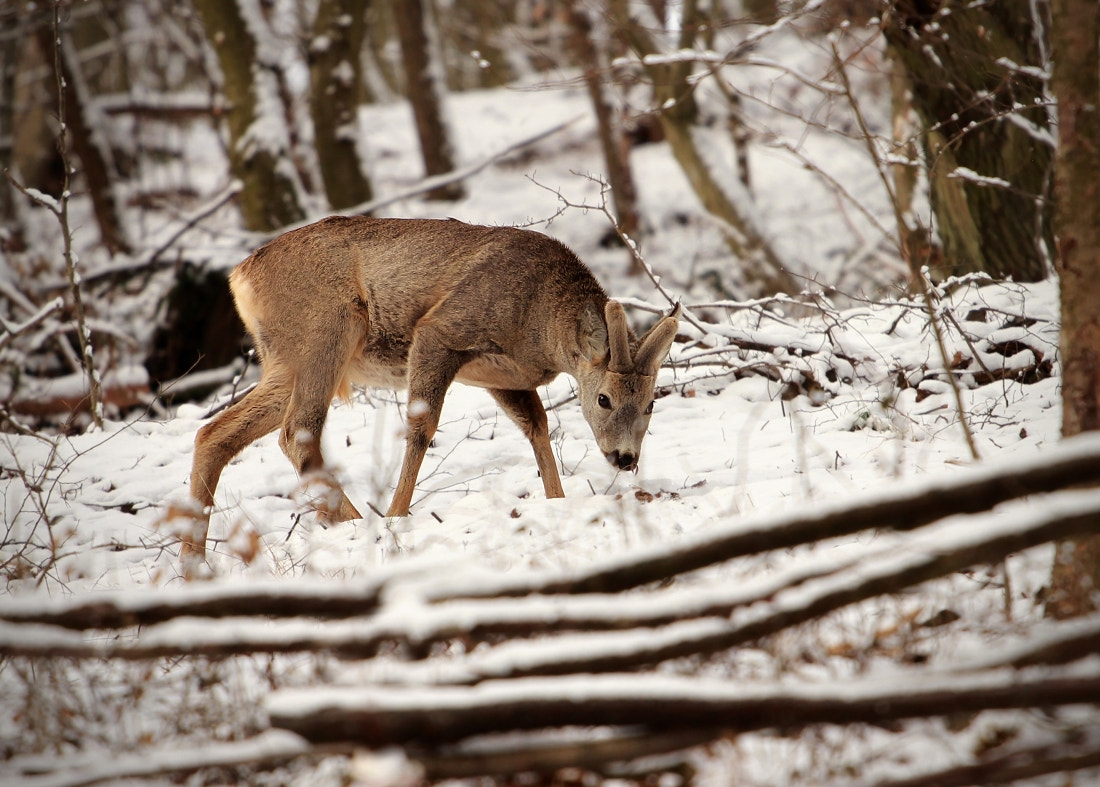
(977, 86)
(258, 152)
(1075, 580)
(335, 90)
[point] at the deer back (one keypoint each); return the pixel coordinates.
(511, 299)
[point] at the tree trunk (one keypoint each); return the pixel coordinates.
(918, 248)
(1075, 580)
(594, 60)
(472, 38)
(977, 87)
(258, 157)
(424, 85)
(10, 46)
(336, 84)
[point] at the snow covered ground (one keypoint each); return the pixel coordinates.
(85, 513)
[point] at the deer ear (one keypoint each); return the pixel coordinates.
(592, 334)
(618, 337)
(654, 346)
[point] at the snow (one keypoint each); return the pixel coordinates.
(967, 174)
(273, 745)
(740, 441)
(45, 199)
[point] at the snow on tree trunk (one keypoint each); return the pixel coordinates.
(259, 140)
(426, 90)
(1075, 580)
(336, 81)
(977, 78)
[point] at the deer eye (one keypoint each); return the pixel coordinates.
(649, 409)
(603, 401)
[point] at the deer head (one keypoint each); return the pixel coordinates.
(617, 377)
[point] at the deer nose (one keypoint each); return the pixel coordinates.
(623, 461)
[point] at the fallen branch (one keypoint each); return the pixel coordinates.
(1074, 461)
(1080, 749)
(511, 754)
(660, 625)
(383, 716)
(267, 748)
(888, 571)
(209, 600)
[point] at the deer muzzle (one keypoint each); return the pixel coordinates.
(623, 460)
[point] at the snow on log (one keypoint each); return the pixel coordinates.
(437, 715)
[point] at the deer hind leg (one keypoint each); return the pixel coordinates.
(218, 441)
(526, 410)
(315, 386)
(432, 367)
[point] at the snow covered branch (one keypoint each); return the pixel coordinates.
(628, 631)
(383, 716)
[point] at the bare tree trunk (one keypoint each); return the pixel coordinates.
(592, 55)
(270, 197)
(988, 142)
(336, 84)
(420, 52)
(1075, 580)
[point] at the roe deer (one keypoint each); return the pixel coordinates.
(417, 303)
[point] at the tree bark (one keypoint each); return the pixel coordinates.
(10, 46)
(1075, 579)
(336, 87)
(424, 85)
(269, 199)
(975, 70)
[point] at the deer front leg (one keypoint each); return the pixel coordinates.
(526, 410)
(432, 367)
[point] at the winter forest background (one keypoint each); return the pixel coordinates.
(863, 545)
